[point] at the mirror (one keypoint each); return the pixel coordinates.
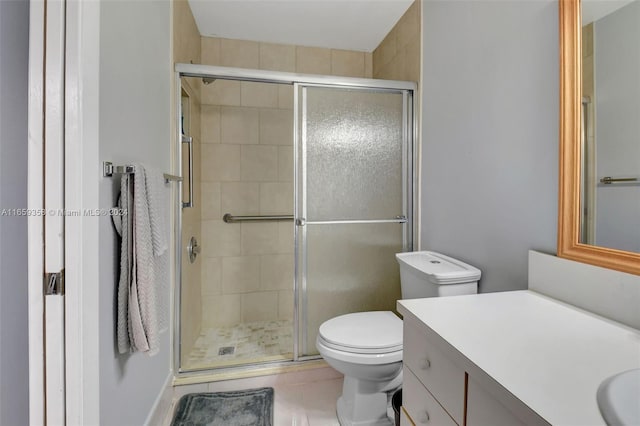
(600, 137)
(610, 134)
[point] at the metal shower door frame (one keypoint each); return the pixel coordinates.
(410, 131)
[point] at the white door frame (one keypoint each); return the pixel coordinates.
(54, 220)
(35, 233)
(82, 178)
(79, 27)
(46, 208)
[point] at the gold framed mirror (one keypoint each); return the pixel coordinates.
(569, 206)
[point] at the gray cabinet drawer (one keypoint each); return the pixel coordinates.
(440, 376)
(421, 406)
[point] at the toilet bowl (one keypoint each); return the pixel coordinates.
(366, 347)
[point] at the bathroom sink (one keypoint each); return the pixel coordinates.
(619, 398)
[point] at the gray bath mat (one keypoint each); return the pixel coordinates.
(252, 407)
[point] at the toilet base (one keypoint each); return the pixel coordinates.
(362, 408)
(347, 421)
(344, 421)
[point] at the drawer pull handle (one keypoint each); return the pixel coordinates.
(425, 418)
(426, 364)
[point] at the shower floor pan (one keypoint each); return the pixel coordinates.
(239, 344)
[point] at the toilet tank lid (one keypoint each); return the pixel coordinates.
(438, 268)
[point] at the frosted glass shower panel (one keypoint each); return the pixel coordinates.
(353, 140)
(350, 268)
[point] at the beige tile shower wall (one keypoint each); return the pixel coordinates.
(186, 45)
(247, 160)
(398, 55)
(285, 57)
(186, 38)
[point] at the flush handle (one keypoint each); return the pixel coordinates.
(426, 364)
(425, 417)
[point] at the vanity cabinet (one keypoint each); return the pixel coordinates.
(483, 409)
(439, 390)
(405, 420)
(511, 358)
(433, 387)
(421, 406)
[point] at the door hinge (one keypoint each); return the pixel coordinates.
(54, 283)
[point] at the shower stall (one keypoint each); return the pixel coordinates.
(298, 190)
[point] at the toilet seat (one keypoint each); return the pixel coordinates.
(377, 332)
(357, 358)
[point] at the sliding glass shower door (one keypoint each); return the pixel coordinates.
(353, 201)
(338, 154)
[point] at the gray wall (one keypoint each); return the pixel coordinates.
(135, 99)
(14, 364)
(490, 134)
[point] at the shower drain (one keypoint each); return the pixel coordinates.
(226, 350)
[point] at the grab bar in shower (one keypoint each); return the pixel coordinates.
(108, 170)
(608, 180)
(229, 218)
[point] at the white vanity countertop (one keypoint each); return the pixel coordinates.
(548, 354)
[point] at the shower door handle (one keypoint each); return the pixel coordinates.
(189, 141)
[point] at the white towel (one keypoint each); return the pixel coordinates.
(158, 213)
(126, 256)
(143, 287)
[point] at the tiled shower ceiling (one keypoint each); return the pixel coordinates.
(338, 24)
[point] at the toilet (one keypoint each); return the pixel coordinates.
(366, 347)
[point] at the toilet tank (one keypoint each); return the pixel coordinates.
(430, 274)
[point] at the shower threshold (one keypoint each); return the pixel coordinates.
(239, 344)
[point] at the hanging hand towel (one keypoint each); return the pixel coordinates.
(158, 215)
(143, 262)
(121, 223)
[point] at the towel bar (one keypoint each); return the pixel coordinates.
(608, 180)
(108, 170)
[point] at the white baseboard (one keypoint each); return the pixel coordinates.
(162, 404)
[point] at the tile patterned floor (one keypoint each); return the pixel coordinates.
(301, 398)
(305, 398)
(251, 342)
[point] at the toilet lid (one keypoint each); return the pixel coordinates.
(364, 331)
